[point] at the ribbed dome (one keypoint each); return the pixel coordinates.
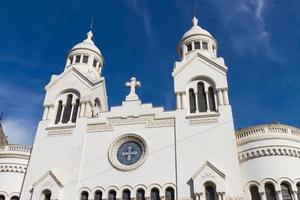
(196, 30)
(87, 44)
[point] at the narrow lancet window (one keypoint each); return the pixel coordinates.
(126, 195)
(140, 194)
(68, 109)
(2, 197)
(202, 104)
(84, 195)
(155, 194)
(254, 193)
(169, 193)
(75, 111)
(210, 192)
(112, 195)
(211, 99)
(270, 191)
(286, 191)
(98, 195)
(192, 99)
(58, 113)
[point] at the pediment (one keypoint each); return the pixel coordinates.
(208, 170)
(85, 79)
(201, 58)
(48, 179)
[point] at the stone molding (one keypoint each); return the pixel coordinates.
(60, 130)
(13, 167)
(149, 120)
(268, 151)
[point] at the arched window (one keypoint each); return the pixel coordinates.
(170, 193)
(155, 194)
(210, 191)
(84, 195)
(192, 101)
(68, 109)
(98, 195)
(286, 191)
(58, 114)
(202, 104)
(211, 99)
(2, 197)
(254, 193)
(46, 195)
(126, 195)
(270, 191)
(298, 190)
(75, 111)
(15, 198)
(140, 194)
(112, 195)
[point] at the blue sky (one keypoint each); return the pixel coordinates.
(259, 40)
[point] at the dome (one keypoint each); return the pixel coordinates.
(87, 44)
(196, 30)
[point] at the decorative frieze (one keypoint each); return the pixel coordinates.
(9, 167)
(149, 120)
(60, 130)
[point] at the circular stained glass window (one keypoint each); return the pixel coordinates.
(129, 153)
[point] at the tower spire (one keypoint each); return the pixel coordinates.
(92, 24)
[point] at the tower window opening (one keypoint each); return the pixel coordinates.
(112, 195)
(270, 191)
(211, 98)
(170, 194)
(298, 190)
(126, 195)
(95, 63)
(98, 195)
(2, 197)
(15, 198)
(210, 191)
(197, 45)
(154, 194)
(85, 59)
(189, 47)
(286, 191)
(205, 45)
(58, 113)
(46, 195)
(75, 111)
(192, 99)
(77, 58)
(68, 109)
(71, 60)
(201, 96)
(140, 194)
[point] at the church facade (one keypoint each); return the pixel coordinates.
(85, 150)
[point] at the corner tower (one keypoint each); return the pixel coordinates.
(206, 145)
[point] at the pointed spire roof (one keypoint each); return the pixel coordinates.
(196, 29)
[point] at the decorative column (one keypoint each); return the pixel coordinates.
(220, 97)
(279, 194)
(219, 194)
(295, 193)
(183, 99)
(196, 101)
(207, 101)
(225, 96)
(184, 51)
(178, 101)
(263, 196)
(82, 109)
(193, 46)
(72, 109)
(45, 114)
(216, 102)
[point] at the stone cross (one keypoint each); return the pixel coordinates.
(133, 84)
(129, 153)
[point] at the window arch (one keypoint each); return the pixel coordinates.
(202, 104)
(140, 194)
(211, 99)
(15, 198)
(170, 193)
(286, 191)
(155, 194)
(126, 194)
(46, 195)
(98, 195)
(2, 197)
(68, 107)
(254, 193)
(210, 191)
(84, 195)
(112, 194)
(192, 101)
(270, 191)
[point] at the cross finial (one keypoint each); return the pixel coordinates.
(133, 84)
(92, 24)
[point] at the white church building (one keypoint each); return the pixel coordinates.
(86, 150)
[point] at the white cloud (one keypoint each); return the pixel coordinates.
(19, 131)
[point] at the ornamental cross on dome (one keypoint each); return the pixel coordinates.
(133, 84)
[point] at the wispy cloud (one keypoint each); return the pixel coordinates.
(245, 22)
(139, 8)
